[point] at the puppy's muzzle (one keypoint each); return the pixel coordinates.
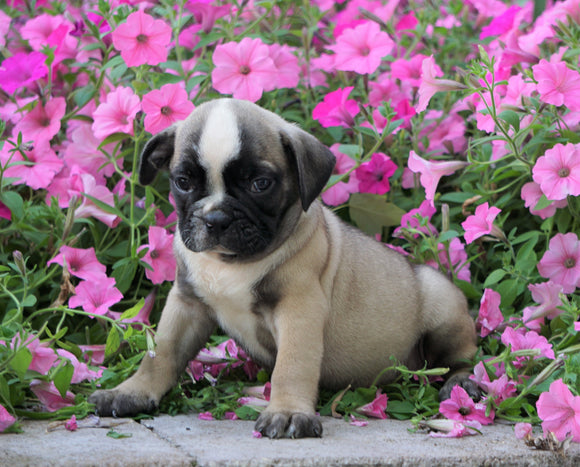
(217, 221)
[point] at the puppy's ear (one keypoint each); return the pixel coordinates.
(156, 154)
(314, 162)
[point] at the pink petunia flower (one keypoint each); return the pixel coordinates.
(431, 84)
(461, 407)
(287, 74)
(81, 371)
(117, 113)
(558, 171)
(531, 194)
(205, 13)
(93, 354)
(453, 428)
(480, 223)
(82, 263)
(5, 21)
(432, 171)
(547, 295)
(376, 408)
(490, 316)
(419, 219)
(243, 69)
(165, 106)
(373, 176)
(159, 255)
(5, 212)
(340, 192)
(558, 84)
(453, 257)
(501, 23)
(96, 297)
(21, 70)
(357, 422)
(87, 185)
(523, 430)
(561, 263)
(43, 121)
(526, 340)
(559, 410)
(49, 395)
(71, 424)
(6, 419)
(142, 39)
(361, 48)
(336, 109)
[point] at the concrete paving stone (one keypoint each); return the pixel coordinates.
(184, 440)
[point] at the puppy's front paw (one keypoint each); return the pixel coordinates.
(117, 403)
(460, 379)
(289, 425)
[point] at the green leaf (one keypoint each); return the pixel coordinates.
(21, 361)
(63, 377)
(14, 202)
(116, 435)
(511, 118)
(113, 342)
(4, 391)
(29, 301)
(494, 277)
(448, 235)
(371, 213)
(124, 276)
(133, 311)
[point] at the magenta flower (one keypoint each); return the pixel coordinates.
(461, 407)
(117, 113)
(526, 340)
(558, 84)
(431, 84)
(336, 109)
(43, 357)
(159, 255)
(558, 171)
(42, 122)
(561, 263)
(559, 410)
(82, 263)
(6, 419)
(243, 69)
(453, 257)
(500, 24)
(163, 107)
(96, 296)
(480, 223)
(373, 176)
(376, 408)
(432, 171)
(340, 192)
(490, 316)
(49, 396)
(22, 69)
(362, 48)
(547, 295)
(205, 13)
(142, 39)
(408, 70)
(71, 423)
(418, 219)
(531, 194)
(5, 212)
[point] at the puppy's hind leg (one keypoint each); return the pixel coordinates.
(450, 339)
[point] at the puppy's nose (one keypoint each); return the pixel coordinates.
(217, 220)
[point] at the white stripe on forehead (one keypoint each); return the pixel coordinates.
(219, 143)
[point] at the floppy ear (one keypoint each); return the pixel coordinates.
(156, 154)
(314, 162)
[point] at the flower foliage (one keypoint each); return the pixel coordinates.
(456, 134)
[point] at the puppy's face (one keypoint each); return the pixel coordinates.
(240, 176)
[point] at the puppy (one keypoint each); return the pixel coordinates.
(306, 295)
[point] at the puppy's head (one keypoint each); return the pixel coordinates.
(240, 176)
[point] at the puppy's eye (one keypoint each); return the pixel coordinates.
(260, 184)
(183, 183)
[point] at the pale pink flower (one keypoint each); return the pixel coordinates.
(205, 416)
(336, 109)
(93, 354)
(159, 255)
(142, 39)
(531, 194)
(523, 430)
(117, 113)
(418, 219)
(37, 170)
(444, 133)
(6, 419)
(453, 257)
(261, 392)
(558, 84)
(461, 407)
(340, 192)
(408, 70)
(205, 13)
(453, 428)
(361, 48)
(501, 389)
(37, 31)
(43, 357)
(5, 21)
(71, 424)
(376, 408)
(85, 151)
(21, 70)
(561, 262)
(432, 171)
(49, 395)
(558, 171)
(357, 421)
(96, 297)
(373, 175)
(526, 340)
(81, 371)
(490, 316)
(547, 295)
(165, 106)
(142, 317)
(82, 263)
(431, 84)
(87, 185)
(287, 72)
(243, 69)
(559, 410)
(43, 121)
(480, 223)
